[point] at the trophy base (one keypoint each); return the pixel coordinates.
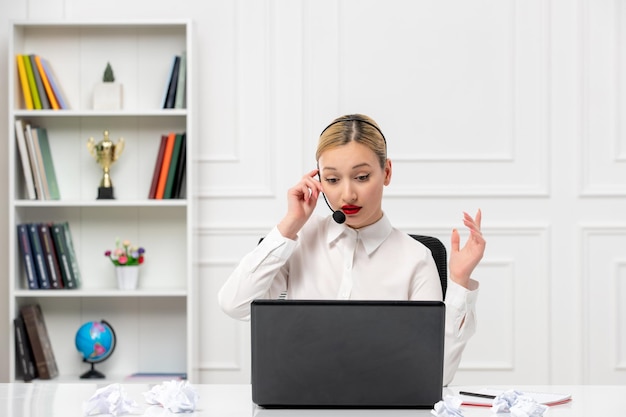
(105, 193)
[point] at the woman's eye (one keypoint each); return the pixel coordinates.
(331, 180)
(363, 178)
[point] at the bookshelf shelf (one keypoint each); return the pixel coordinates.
(154, 324)
(115, 293)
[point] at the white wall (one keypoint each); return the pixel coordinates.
(511, 106)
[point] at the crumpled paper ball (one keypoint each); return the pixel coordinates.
(112, 400)
(176, 396)
(450, 406)
(517, 404)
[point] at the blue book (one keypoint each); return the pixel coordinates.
(40, 262)
(27, 256)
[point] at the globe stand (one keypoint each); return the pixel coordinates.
(92, 373)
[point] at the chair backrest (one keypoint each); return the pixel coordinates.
(440, 255)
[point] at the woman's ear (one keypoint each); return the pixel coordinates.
(387, 172)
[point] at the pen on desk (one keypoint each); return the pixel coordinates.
(477, 394)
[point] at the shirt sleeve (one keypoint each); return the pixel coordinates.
(258, 275)
(460, 325)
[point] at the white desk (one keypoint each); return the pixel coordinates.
(63, 400)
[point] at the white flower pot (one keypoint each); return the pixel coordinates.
(107, 96)
(127, 277)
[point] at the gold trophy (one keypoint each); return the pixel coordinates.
(106, 153)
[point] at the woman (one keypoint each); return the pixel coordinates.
(363, 257)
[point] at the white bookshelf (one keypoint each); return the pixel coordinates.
(153, 323)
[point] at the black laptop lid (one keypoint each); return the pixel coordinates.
(336, 354)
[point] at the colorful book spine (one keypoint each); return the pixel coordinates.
(48, 164)
(21, 71)
(49, 251)
(27, 257)
(181, 96)
(39, 257)
(62, 251)
(169, 183)
(45, 103)
(54, 84)
(170, 99)
(23, 351)
(157, 168)
(167, 159)
(46, 84)
(180, 169)
(34, 164)
(25, 160)
(31, 82)
(39, 341)
(71, 253)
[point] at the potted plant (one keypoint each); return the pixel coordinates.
(107, 95)
(127, 259)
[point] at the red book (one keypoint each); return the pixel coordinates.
(157, 168)
(165, 167)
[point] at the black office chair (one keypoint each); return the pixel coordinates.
(440, 255)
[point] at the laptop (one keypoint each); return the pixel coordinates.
(347, 354)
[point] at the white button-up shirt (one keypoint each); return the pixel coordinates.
(333, 261)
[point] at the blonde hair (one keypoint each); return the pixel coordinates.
(353, 128)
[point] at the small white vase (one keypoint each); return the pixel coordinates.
(127, 277)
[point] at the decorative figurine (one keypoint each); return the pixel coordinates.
(105, 153)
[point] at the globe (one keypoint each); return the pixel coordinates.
(95, 340)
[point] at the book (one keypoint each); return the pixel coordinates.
(43, 354)
(23, 351)
(180, 169)
(43, 278)
(157, 167)
(31, 82)
(27, 257)
(48, 164)
(21, 72)
(34, 164)
(62, 251)
(50, 255)
(167, 159)
(171, 173)
(71, 253)
(54, 84)
(46, 84)
(170, 97)
(45, 103)
(25, 160)
(40, 166)
(181, 95)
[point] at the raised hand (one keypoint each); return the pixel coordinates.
(301, 202)
(464, 260)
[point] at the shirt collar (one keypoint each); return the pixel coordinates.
(372, 236)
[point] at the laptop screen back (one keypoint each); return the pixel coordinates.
(336, 354)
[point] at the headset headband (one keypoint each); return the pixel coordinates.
(356, 119)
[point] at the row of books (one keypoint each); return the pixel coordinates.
(40, 87)
(36, 159)
(175, 95)
(34, 354)
(48, 256)
(168, 178)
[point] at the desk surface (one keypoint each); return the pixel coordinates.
(62, 399)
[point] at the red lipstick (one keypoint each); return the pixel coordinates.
(350, 209)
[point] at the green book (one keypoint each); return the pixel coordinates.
(171, 173)
(46, 155)
(31, 82)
